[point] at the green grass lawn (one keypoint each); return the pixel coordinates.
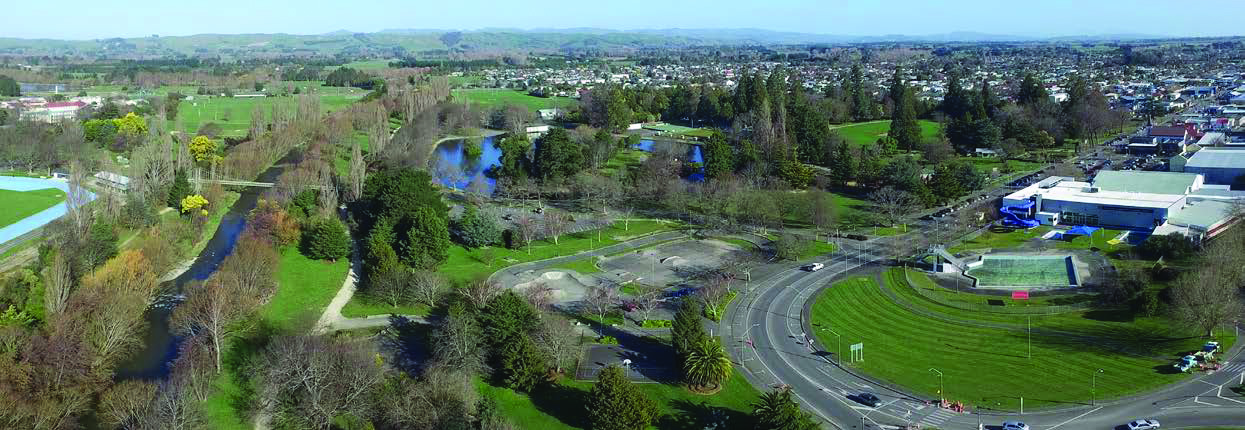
(870, 132)
(1001, 238)
(21, 204)
(359, 307)
(587, 265)
(501, 97)
(990, 367)
(233, 114)
(305, 287)
(562, 406)
(368, 64)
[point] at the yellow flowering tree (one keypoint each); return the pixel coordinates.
(204, 150)
(131, 125)
(193, 202)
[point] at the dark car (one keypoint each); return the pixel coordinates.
(868, 399)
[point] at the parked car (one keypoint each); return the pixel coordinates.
(1015, 425)
(813, 267)
(1143, 424)
(868, 399)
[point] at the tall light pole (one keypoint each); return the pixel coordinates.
(1093, 387)
(942, 395)
(838, 345)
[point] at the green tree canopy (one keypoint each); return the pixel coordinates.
(325, 239)
(398, 193)
(557, 156)
(426, 242)
(616, 404)
(776, 410)
(719, 157)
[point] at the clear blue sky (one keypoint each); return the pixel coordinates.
(90, 19)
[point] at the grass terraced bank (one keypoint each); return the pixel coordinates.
(986, 362)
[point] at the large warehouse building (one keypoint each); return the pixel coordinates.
(1161, 202)
(1217, 166)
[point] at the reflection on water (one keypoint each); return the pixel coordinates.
(455, 170)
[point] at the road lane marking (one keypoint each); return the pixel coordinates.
(1074, 418)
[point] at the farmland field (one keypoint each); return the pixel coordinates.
(21, 204)
(990, 365)
(502, 97)
(869, 132)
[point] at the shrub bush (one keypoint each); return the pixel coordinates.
(325, 239)
(607, 340)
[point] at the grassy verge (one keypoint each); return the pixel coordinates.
(501, 97)
(870, 132)
(991, 367)
(587, 265)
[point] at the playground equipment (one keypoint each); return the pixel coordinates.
(1011, 218)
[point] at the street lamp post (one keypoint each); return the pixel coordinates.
(1093, 387)
(838, 345)
(941, 394)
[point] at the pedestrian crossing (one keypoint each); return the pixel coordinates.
(1233, 367)
(936, 418)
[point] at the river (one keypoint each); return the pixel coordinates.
(160, 346)
(453, 169)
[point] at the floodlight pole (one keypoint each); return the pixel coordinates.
(942, 394)
(1029, 324)
(1093, 387)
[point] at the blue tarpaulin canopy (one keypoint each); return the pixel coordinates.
(1082, 230)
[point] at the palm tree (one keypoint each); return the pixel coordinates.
(707, 365)
(777, 411)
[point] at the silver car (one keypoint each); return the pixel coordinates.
(1143, 424)
(1015, 425)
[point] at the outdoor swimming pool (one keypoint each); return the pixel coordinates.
(1024, 271)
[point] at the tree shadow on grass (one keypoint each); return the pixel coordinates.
(407, 341)
(697, 416)
(567, 404)
(241, 359)
(1110, 315)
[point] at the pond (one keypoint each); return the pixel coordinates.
(454, 169)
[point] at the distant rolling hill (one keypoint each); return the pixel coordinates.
(434, 42)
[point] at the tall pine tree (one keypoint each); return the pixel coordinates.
(904, 127)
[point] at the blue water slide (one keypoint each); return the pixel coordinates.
(1010, 218)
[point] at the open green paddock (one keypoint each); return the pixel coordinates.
(866, 133)
(21, 204)
(985, 357)
(233, 114)
(492, 98)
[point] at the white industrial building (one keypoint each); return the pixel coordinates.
(1158, 202)
(1218, 166)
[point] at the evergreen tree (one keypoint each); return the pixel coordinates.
(1031, 91)
(398, 194)
(9, 87)
(179, 190)
(325, 239)
(514, 159)
(719, 157)
(987, 100)
(522, 364)
(776, 410)
(707, 364)
(956, 103)
(475, 229)
(687, 329)
(904, 127)
(615, 404)
(426, 243)
(557, 156)
(861, 98)
(843, 164)
(506, 317)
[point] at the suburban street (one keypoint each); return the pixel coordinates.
(773, 317)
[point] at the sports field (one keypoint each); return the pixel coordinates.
(233, 114)
(986, 361)
(869, 132)
(1024, 271)
(21, 204)
(501, 97)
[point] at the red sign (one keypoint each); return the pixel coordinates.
(1020, 295)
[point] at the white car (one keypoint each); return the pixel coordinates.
(1015, 425)
(1143, 424)
(814, 267)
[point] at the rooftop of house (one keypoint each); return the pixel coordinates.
(1215, 158)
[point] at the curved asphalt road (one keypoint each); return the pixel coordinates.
(770, 316)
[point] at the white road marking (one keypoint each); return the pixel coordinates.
(1073, 418)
